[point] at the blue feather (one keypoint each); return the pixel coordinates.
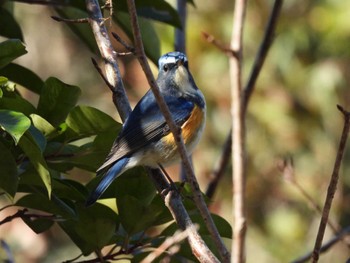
(107, 179)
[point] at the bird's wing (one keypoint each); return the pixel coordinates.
(145, 125)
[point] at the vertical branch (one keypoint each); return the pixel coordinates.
(262, 53)
(249, 87)
(197, 195)
(239, 228)
(180, 33)
(332, 185)
(180, 45)
(109, 58)
(172, 199)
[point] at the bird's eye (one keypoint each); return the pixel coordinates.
(166, 67)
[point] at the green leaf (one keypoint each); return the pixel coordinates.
(54, 206)
(10, 50)
(38, 137)
(57, 99)
(158, 10)
(23, 76)
(82, 30)
(136, 217)
(133, 182)
(15, 123)
(16, 103)
(94, 229)
(87, 121)
(224, 228)
(69, 189)
(3, 80)
(34, 154)
(38, 225)
(8, 175)
(43, 125)
(149, 35)
(8, 25)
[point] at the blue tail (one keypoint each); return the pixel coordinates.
(107, 179)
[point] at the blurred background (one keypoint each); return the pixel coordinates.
(292, 114)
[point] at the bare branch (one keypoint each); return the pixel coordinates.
(262, 53)
(169, 242)
(225, 49)
(76, 21)
(238, 148)
(123, 43)
(340, 236)
(249, 88)
(140, 53)
(23, 213)
(109, 58)
(180, 33)
(332, 187)
(287, 169)
(218, 171)
(44, 2)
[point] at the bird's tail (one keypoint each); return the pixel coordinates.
(107, 179)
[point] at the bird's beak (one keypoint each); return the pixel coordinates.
(180, 62)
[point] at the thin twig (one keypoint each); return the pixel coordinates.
(123, 43)
(225, 49)
(109, 58)
(338, 237)
(238, 149)
(99, 70)
(218, 171)
(287, 170)
(140, 53)
(332, 187)
(23, 213)
(44, 2)
(169, 242)
(262, 53)
(75, 21)
(180, 33)
(180, 45)
(249, 88)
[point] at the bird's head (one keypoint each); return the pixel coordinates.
(174, 73)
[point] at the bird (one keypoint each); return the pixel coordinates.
(145, 138)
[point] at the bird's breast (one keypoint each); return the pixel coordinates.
(191, 130)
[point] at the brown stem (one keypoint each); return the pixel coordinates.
(238, 151)
(110, 61)
(140, 53)
(249, 88)
(76, 21)
(332, 187)
(262, 53)
(340, 236)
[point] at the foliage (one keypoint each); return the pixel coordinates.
(41, 145)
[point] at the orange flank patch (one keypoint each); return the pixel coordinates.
(189, 128)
